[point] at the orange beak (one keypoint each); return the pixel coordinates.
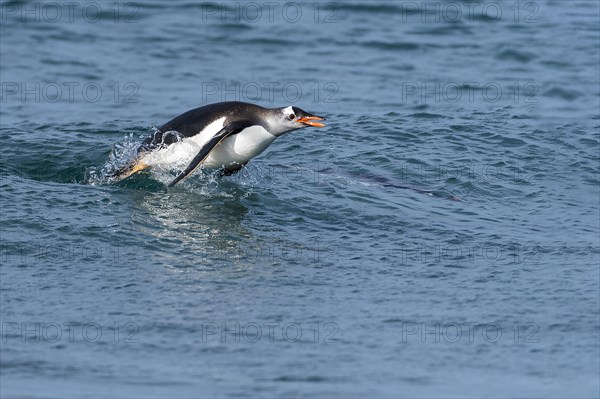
(309, 120)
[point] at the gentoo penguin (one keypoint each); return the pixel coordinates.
(223, 135)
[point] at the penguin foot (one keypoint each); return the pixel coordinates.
(231, 170)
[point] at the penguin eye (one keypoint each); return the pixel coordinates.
(292, 116)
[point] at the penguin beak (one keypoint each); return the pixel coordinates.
(310, 121)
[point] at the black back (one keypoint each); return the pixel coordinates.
(192, 122)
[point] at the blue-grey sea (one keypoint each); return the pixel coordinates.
(438, 238)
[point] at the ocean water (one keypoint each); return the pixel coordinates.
(439, 238)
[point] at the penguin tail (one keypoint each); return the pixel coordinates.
(129, 170)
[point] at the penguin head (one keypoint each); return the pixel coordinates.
(292, 118)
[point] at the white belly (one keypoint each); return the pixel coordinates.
(233, 151)
(239, 148)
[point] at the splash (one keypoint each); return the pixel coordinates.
(205, 182)
(121, 155)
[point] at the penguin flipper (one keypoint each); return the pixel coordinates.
(205, 151)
